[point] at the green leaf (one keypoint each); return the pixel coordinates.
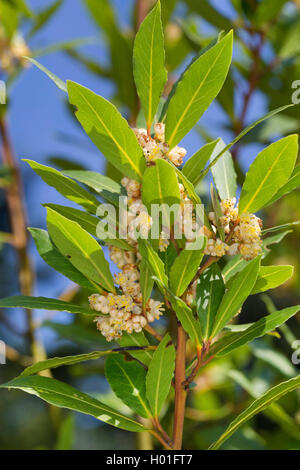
(278, 228)
(223, 172)
(217, 210)
(159, 375)
(56, 260)
(154, 262)
(268, 173)
(149, 70)
(80, 248)
(187, 319)
(209, 293)
(137, 340)
(86, 221)
(243, 133)
(108, 130)
(270, 277)
(107, 188)
(43, 303)
(275, 412)
(58, 82)
(184, 269)
(198, 87)
(128, 381)
(196, 163)
(146, 281)
(65, 361)
(160, 186)
(65, 186)
(233, 340)
(292, 183)
(64, 396)
(257, 406)
(236, 295)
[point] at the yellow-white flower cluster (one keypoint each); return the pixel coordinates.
(244, 232)
(12, 52)
(124, 312)
(156, 147)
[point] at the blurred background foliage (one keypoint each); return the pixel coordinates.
(90, 41)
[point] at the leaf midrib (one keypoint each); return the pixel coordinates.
(193, 98)
(86, 255)
(137, 170)
(267, 175)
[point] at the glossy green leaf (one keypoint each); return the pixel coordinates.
(209, 293)
(268, 173)
(218, 211)
(56, 260)
(80, 248)
(223, 172)
(153, 260)
(65, 361)
(197, 88)
(87, 221)
(43, 303)
(149, 63)
(146, 281)
(270, 277)
(257, 406)
(64, 396)
(108, 130)
(128, 381)
(279, 228)
(196, 163)
(58, 82)
(107, 188)
(292, 183)
(137, 340)
(65, 186)
(187, 319)
(159, 375)
(233, 340)
(236, 295)
(160, 186)
(245, 132)
(184, 269)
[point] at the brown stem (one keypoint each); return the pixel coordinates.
(152, 332)
(163, 433)
(19, 239)
(161, 440)
(142, 7)
(180, 391)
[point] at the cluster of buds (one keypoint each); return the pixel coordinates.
(156, 147)
(243, 232)
(124, 312)
(12, 53)
(138, 219)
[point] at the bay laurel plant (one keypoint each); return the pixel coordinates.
(171, 308)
